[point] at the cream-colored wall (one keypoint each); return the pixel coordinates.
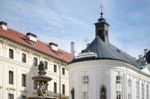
(27, 68)
(104, 72)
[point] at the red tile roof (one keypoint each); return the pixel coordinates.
(39, 46)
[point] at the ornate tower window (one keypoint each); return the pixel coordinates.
(119, 86)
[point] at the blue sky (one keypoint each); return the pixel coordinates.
(63, 21)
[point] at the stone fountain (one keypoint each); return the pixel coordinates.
(41, 83)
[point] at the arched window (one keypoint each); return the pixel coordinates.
(118, 86)
(103, 92)
(129, 89)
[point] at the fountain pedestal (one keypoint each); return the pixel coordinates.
(41, 83)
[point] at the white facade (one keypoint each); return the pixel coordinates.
(133, 83)
(18, 68)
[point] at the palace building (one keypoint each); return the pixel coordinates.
(103, 71)
(19, 56)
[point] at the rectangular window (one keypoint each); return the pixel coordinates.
(55, 87)
(137, 90)
(35, 84)
(24, 58)
(85, 95)
(63, 89)
(23, 97)
(118, 86)
(118, 95)
(147, 92)
(10, 96)
(142, 91)
(63, 71)
(55, 68)
(129, 89)
(23, 80)
(11, 77)
(46, 64)
(35, 61)
(11, 53)
(85, 79)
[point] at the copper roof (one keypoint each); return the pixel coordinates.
(39, 45)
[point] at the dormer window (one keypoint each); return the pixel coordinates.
(32, 38)
(53, 46)
(3, 25)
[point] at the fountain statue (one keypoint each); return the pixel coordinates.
(41, 82)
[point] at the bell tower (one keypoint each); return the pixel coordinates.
(101, 28)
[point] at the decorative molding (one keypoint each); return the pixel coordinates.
(24, 91)
(11, 89)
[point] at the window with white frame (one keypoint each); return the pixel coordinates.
(137, 90)
(142, 91)
(119, 86)
(23, 97)
(46, 64)
(11, 53)
(63, 89)
(85, 95)
(24, 80)
(10, 96)
(24, 57)
(63, 71)
(55, 68)
(147, 92)
(35, 61)
(129, 89)
(85, 79)
(11, 77)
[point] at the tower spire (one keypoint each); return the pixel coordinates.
(101, 27)
(101, 10)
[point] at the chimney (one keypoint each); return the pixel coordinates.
(53, 46)
(32, 37)
(3, 25)
(145, 51)
(72, 49)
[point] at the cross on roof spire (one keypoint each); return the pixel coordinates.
(101, 10)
